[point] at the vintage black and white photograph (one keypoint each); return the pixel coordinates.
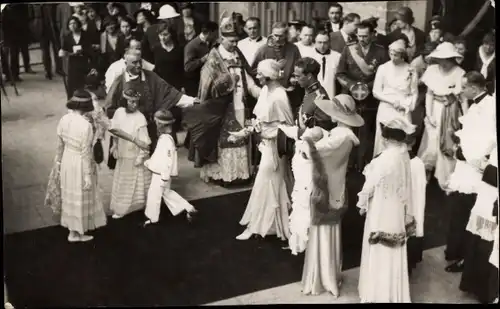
(161, 154)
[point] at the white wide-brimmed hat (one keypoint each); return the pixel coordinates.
(76, 4)
(445, 50)
(399, 122)
(341, 109)
(167, 11)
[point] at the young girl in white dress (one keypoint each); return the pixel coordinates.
(131, 178)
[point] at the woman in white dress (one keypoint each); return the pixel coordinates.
(81, 207)
(396, 86)
(443, 107)
(267, 209)
(386, 200)
(319, 195)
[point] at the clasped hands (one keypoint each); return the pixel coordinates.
(253, 126)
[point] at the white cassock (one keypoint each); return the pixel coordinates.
(328, 71)
(249, 47)
(305, 51)
(163, 165)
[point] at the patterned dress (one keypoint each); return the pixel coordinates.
(81, 210)
(130, 182)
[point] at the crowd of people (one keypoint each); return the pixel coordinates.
(292, 112)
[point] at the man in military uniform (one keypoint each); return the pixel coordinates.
(305, 75)
(356, 74)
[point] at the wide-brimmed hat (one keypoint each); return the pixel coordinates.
(81, 100)
(164, 117)
(76, 4)
(396, 127)
(445, 50)
(167, 11)
(341, 109)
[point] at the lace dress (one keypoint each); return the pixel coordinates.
(385, 196)
(81, 210)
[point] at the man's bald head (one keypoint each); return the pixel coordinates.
(133, 60)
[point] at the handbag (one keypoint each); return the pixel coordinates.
(98, 152)
(111, 158)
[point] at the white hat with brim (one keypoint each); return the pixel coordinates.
(445, 50)
(167, 11)
(341, 109)
(398, 122)
(76, 4)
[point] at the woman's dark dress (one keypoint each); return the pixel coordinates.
(169, 65)
(110, 55)
(78, 66)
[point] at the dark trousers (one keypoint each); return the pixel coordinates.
(12, 52)
(460, 206)
(46, 42)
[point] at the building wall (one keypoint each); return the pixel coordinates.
(270, 12)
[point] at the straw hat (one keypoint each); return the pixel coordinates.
(341, 109)
(445, 50)
(167, 11)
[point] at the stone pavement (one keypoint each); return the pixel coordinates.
(429, 284)
(29, 124)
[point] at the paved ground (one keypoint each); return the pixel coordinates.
(28, 144)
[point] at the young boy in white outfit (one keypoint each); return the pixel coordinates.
(163, 165)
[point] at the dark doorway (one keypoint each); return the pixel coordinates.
(459, 13)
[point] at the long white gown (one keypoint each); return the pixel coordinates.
(439, 84)
(267, 208)
(385, 195)
(393, 83)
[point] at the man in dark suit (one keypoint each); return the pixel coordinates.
(339, 39)
(416, 37)
(195, 55)
(357, 66)
(334, 24)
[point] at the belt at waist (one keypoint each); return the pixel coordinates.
(440, 98)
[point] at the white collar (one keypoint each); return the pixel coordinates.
(480, 95)
(345, 35)
(128, 76)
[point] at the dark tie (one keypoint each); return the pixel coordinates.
(323, 66)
